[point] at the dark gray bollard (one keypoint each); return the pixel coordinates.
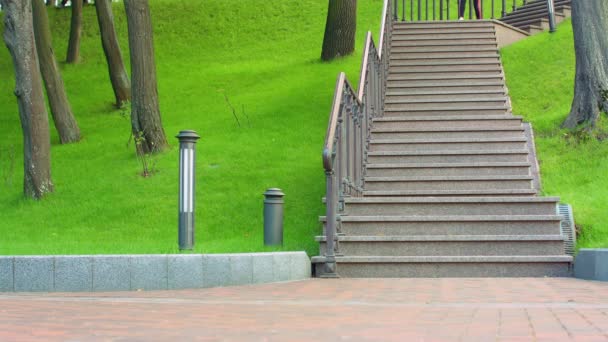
(273, 217)
(187, 141)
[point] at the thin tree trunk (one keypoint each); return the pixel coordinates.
(590, 27)
(19, 38)
(75, 31)
(145, 113)
(118, 74)
(65, 123)
(340, 28)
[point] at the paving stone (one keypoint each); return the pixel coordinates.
(241, 269)
(33, 273)
(282, 265)
(263, 271)
(185, 271)
(216, 270)
(73, 273)
(6, 274)
(149, 272)
(300, 266)
(111, 273)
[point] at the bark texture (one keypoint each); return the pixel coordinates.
(19, 38)
(65, 123)
(340, 28)
(73, 54)
(590, 26)
(145, 113)
(118, 74)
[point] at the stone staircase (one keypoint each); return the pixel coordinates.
(532, 17)
(449, 181)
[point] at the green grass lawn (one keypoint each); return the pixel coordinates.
(263, 55)
(540, 77)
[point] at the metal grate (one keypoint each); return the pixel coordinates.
(567, 227)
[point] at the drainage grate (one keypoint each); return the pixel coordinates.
(567, 227)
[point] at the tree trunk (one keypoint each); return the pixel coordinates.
(65, 123)
(19, 38)
(75, 32)
(145, 113)
(118, 74)
(590, 26)
(340, 28)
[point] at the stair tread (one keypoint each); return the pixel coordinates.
(447, 178)
(446, 129)
(443, 100)
(445, 140)
(446, 152)
(443, 165)
(452, 200)
(447, 92)
(449, 118)
(501, 192)
(449, 259)
(447, 238)
(447, 218)
(497, 75)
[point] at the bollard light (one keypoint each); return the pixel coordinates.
(187, 142)
(273, 217)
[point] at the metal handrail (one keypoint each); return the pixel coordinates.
(347, 138)
(419, 10)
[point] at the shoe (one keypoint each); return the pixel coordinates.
(461, 18)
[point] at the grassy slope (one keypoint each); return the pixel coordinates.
(263, 55)
(540, 77)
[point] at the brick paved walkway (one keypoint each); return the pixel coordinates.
(321, 310)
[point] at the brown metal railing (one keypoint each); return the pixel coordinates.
(419, 10)
(348, 133)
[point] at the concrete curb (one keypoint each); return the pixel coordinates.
(71, 273)
(591, 264)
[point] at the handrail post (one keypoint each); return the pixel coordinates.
(551, 9)
(330, 225)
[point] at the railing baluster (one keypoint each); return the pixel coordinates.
(448, 9)
(427, 10)
(395, 11)
(493, 9)
(411, 10)
(514, 5)
(440, 9)
(480, 9)
(419, 10)
(551, 10)
(434, 16)
(504, 8)
(470, 9)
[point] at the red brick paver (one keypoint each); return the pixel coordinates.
(524, 309)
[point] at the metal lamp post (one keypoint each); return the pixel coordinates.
(187, 141)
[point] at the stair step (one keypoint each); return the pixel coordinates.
(444, 48)
(448, 183)
(383, 157)
(445, 61)
(454, 266)
(353, 225)
(447, 55)
(397, 110)
(431, 93)
(461, 145)
(432, 32)
(540, 3)
(541, 12)
(439, 169)
(489, 67)
(406, 87)
(454, 25)
(449, 245)
(446, 206)
(461, 83)
(464, 193)
(456, 122)
(436, 40)
(448, 132)
(456, 99)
